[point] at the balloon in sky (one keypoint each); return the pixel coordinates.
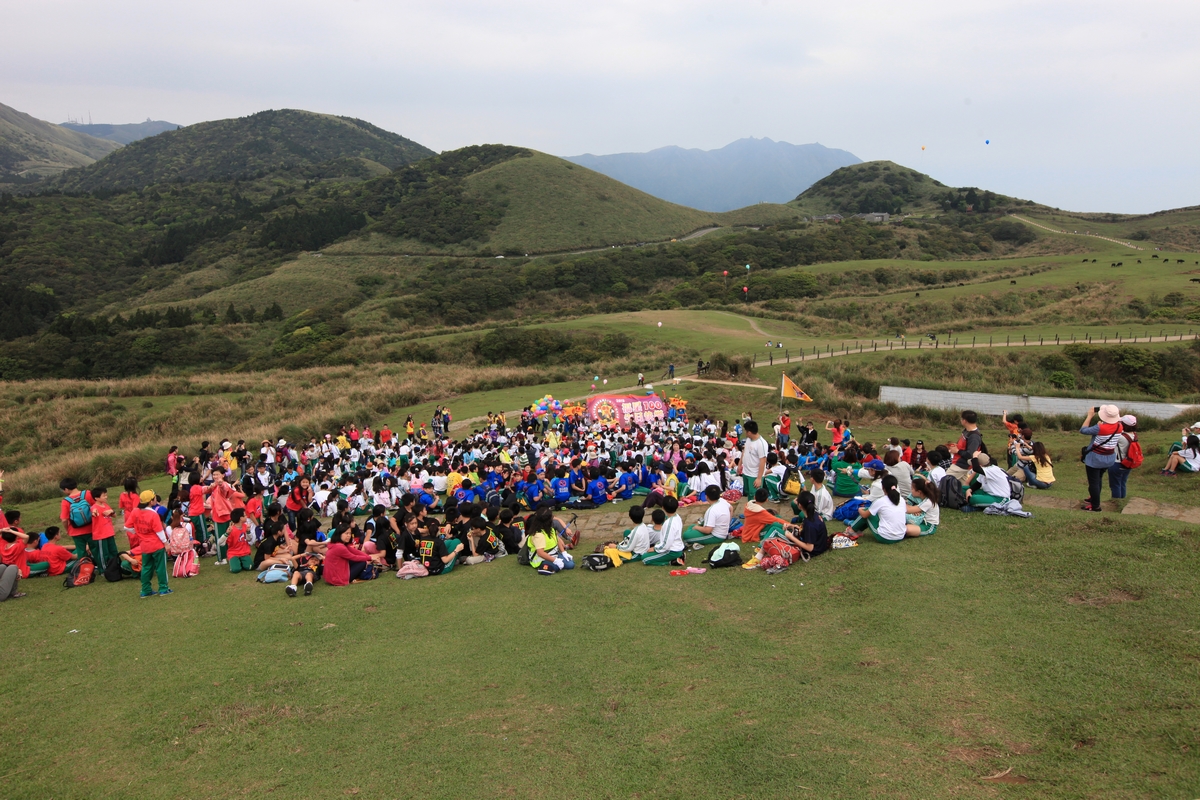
(922, 147)
(987, 141)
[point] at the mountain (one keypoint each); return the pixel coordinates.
(123, 134)
(877, 186)
(31, 149)
(745, 172)
(299, 143)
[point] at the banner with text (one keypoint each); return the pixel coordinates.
(625, 409)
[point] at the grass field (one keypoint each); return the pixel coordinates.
(1061, 648)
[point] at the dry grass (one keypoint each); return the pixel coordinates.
(53, 429)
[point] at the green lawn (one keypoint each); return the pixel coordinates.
(1063, 648)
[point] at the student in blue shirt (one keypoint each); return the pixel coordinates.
(597, 489)
(427, 498)
(625, 483)
(533, 492)
(561, 486)
(578, 478)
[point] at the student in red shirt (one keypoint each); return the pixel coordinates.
(195, 510)
(237, 548)
(12, 562)
(344, 561)
(81, 502)
(128, 503)
(152, 540)
(51, 558)
(103, 534)
(222, 497)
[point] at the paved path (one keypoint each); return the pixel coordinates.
(1075, 233)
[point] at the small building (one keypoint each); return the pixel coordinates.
(876, 216)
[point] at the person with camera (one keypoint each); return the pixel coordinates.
(1101, 453)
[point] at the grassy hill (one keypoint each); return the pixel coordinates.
(884, 186)
(298, 143)
(31, 149)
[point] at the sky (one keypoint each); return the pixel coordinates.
(1088, 106)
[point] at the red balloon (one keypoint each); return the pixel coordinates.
(726, 273)
(745, 288)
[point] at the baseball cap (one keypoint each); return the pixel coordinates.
(984, 460)
(1129, 419)
(146, 496)
(875, 463)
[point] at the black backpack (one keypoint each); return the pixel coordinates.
(951, 493)
(112, 570)
(730, 558)
(525, 555)
(596, 562)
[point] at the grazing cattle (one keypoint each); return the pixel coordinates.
(1120, 263)
(1014, 283)
(1139, 261)
(1113, 264)
(1085, 261)
(962, 284)
(1179, 261)
(1154, 256)
(1093, 261)
(1195, 280)
(918, 294)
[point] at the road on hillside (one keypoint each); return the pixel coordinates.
(1074, 233)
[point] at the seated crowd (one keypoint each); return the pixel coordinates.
(351, 506)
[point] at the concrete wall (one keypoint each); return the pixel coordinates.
(998, 403)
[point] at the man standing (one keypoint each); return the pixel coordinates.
(152, 540)
(754, 459)
(969, 446)
(785, 430)
(671, 371)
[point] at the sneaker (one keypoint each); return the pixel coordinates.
(165, 591)
(679, 572)
(308, 587)
(751, 564)
(15, 595)
(221, 562)
(290, 589)
(148, 594)
(697, 546)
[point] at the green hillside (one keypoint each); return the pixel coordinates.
(297, 143)
(876, 186)
(31, 149)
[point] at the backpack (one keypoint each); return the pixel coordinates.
(728, 554)
(1016, 490)
(83, 573)
(848, 511)
(952, 495)
(276, 573)
(1133, 459)
(80, 513)
(180, 541)
(791, 482)
(596, 562)
(524, 555)
(112, 570)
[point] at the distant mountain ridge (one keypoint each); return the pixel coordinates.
(31, 149)
(740, 174)
(122, 134)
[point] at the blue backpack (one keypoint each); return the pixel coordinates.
(848, 511)
(80, 512)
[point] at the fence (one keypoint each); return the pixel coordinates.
(955, 343)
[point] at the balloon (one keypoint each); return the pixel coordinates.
(747, 266)
(987, 141)
(595, 377)
(745, 288)
(726, 273)
(593, 387)
(922, 147)
(606, 381)
(660, 324)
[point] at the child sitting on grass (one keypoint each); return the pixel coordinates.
(237, 549)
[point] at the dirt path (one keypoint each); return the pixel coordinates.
(1074, 233)
(751, 320)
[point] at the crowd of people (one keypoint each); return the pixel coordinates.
(356, 504)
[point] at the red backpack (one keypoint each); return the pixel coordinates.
(83, 573)
(1133, 459)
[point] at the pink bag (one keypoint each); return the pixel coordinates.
(185, 565)
(412, 569)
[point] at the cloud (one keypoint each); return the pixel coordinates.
(1072, 94)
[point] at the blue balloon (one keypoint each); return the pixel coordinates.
(987, 141)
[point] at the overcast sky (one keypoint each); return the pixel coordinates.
(1090, 105)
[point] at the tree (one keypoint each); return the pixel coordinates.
(231, 315)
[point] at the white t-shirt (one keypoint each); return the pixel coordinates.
(903, 472)
(931, 514)
(891, 518)
(641, 539)
(753, 452)
(936, 474)
(439, 484)
(717, 516)
(994, 481)
(672, 535)
(823, 502)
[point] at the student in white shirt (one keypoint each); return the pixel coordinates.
(885, 517)
(987, 483)
(924, 517)
(754, 459)
(670, 552)
(714, 527)
(822, 499)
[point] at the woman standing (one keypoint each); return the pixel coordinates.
(1102, 452)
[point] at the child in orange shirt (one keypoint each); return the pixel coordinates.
(237, 549)
(103, 533)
